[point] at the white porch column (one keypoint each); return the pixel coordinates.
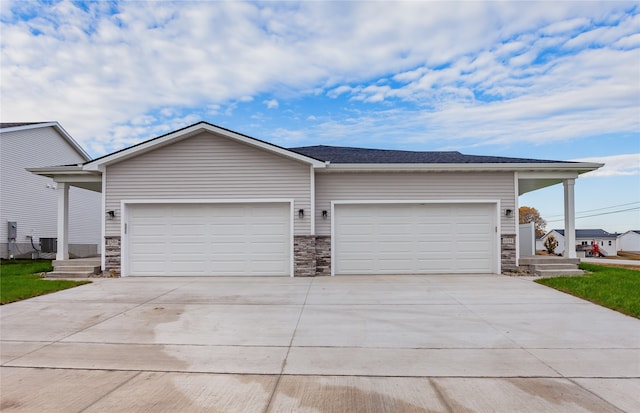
(63, 222)
(569, 219)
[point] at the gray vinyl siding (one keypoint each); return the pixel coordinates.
(414, 186)
(25, 197)
(211, 167)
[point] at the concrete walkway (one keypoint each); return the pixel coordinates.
(341, 344)
(610, 261)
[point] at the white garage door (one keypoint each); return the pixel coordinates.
(209, 239)
(415, 238)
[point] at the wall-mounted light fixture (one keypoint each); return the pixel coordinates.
(324, 214)
(508, 212)
(111, 214)
(301, 213)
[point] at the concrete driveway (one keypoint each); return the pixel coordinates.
(341, 344)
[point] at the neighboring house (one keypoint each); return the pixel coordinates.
(205, 200)
(28, 203)
(629, 241)
(607, 242)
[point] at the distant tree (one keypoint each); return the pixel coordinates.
(551, 244)
(528, 214)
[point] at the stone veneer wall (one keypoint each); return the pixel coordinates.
(112, 257)
(304, 256)
(311, 255)
(508, 252)
(323, 255)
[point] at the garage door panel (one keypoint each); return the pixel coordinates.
(209, 239)
(414, 238)
(148, 266)
(269, 249)
(186, 230)
(148, 229)
(434, 265)
(433, 246)
(396, 232)
(434, 227)
(355, 267)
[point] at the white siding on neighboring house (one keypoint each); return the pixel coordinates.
(414, 186)
(31, 200)
(558, 237)
(629, 241)
(603, 243)
(208, 167)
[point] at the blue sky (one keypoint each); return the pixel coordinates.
(548, 80)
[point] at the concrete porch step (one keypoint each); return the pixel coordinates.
(554, 266)
(75, 268)
(69, 274)
(77, 262)
(549, 266)
(548, 260)
(558, 272)
(92, 269)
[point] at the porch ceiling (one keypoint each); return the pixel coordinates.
(73, 176)
(533, 184)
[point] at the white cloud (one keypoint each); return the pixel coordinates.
(271, 104)
(615, 165)
(116, 73)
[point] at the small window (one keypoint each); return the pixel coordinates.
(609, 243)
(602, 243)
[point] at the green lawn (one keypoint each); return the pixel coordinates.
(20, 279)
(611, 287)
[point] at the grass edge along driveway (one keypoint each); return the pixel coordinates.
(21, 279)
(611, 287)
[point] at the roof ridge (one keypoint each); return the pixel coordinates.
(369, 149)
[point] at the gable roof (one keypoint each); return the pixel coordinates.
(348, 155)
(637, 231)
(192, 130)
(6, 127)
(589, 233)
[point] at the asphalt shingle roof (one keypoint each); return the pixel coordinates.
(15, 124)
(340, 154)
(589, 233)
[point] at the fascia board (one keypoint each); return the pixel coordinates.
(57, 169)
(99, 164)
(64, 172)
(465, 167)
